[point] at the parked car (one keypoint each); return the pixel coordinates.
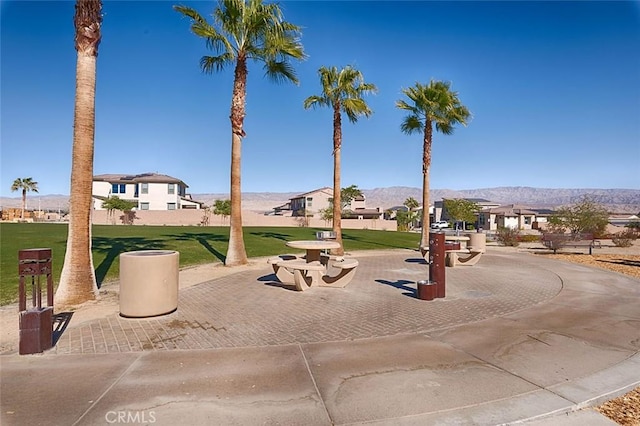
(441, 224)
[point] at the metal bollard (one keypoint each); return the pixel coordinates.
(36, 322)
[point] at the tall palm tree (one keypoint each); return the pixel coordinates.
(26, 184)
(342, 91)
(430, 104)
(244, 30)
(78, 279)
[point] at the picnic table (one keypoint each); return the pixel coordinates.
(313, 269)
(313, 247)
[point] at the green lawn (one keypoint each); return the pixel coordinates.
(196, 245)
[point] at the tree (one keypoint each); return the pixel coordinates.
(584, 216)
(432, 104)
(411, 204)
(347, 195)
(342, 91)
(461, 210)
(244, 30)
(26, 184)
(222, 208)
(125, 206)
(78, 279)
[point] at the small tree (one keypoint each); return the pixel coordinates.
(461, 210)
(403, 219)
(585, 216)
(116, 203)
(326, 214)
(411, 215)
(222, 208)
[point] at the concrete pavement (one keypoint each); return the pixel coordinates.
(519, 338)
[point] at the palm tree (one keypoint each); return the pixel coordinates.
(78, 279)
(342, 91)
(26, 184)
(433, 103)
(244, 30)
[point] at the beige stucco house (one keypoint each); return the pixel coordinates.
(151, 191)
(311, 203)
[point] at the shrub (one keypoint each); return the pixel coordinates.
(624, 238)
(508, 236)
(529, 238)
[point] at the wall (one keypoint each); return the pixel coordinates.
(249, 218)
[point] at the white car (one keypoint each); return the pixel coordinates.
(441, 224)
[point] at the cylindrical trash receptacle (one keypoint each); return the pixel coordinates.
(427, 290)
(148, 283)
(477, 241)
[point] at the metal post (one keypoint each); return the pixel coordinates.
(436, 262)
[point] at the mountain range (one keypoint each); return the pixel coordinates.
(614, 200)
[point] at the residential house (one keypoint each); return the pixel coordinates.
(507, 216)
(312, 202)
(151, 191)
(440, 212)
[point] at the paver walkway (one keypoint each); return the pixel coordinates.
(519, 338)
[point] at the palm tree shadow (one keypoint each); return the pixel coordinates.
(204, 239)
(402, 285)
(275, 235)
(113, 247)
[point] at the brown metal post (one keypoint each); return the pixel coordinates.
(436, 262)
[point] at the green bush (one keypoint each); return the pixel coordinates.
(508, 237)
(624, 238)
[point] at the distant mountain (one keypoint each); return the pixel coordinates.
(615, 200)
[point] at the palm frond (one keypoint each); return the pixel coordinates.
(411, 124)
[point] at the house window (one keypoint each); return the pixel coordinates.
(144, 206)
(171, 188)
(118, 188)
(171, 206)
(309, 201)
(527, 220)
(144, 188)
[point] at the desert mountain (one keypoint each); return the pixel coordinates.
(615, 200)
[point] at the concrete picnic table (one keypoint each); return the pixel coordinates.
(313, 247)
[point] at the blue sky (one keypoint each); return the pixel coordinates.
(554, 89)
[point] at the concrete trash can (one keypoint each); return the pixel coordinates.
(477, 241)
(148, 283)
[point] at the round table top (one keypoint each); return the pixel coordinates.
(313, 244)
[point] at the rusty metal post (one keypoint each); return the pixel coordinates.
(36, 322)
(436, 262)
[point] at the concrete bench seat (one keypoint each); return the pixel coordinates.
(305, 274)
(453, 258)
(285, 276)
(347, 269)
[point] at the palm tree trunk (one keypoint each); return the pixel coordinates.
(236, 253)
(78, 280)
(426, 165)
(337, 196)
(24, 202)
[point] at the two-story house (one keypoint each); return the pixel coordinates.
(151, 191)
(311, 203)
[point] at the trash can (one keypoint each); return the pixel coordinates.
(477, 241)
(148, 283)
(427, 290)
